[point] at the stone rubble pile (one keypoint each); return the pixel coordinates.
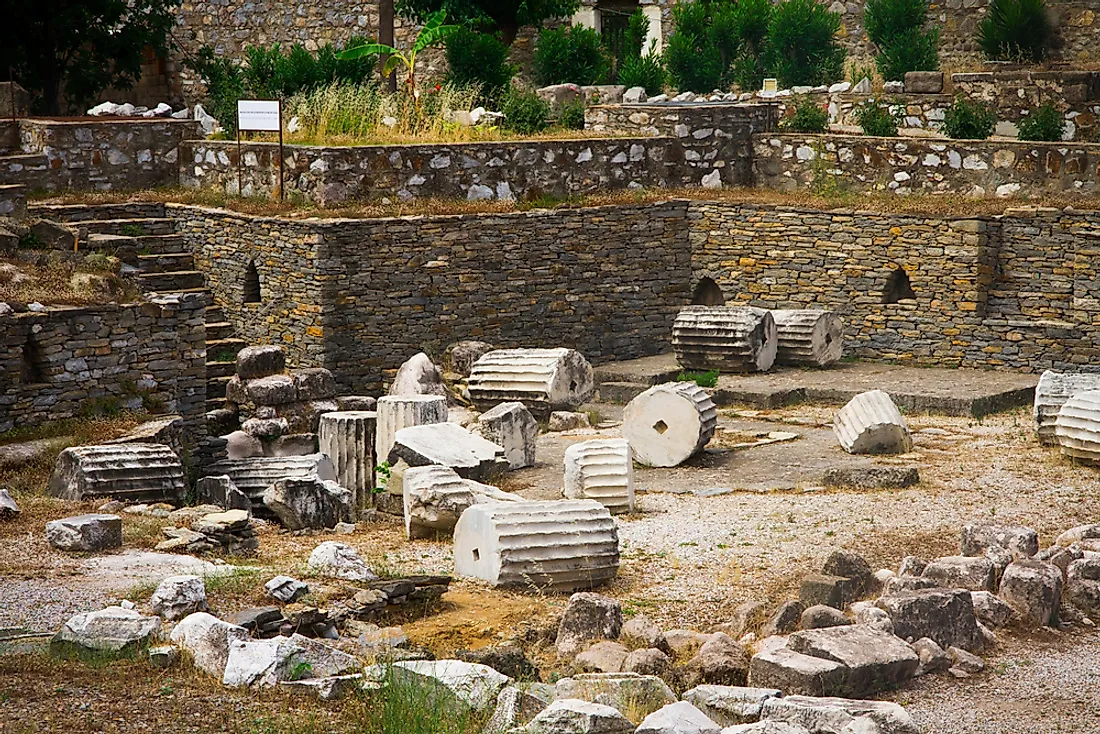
(220, 531)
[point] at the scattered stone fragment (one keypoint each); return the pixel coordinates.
(330, 688)
(990, 610)
(943, 615)
(450, 445)
(8, 506)
(821, 617)
(514, 709)
(766, 727)
(85, 533)
(134, 472)
(833, 591)
(867, 613)
(324, 660)
(436, 496)
(641, 632)
(678, 718)
(261, 663)
(309, 502)
(456, 685)
(648, 661)
(112, 630)
(875, 660)
(786, 619)
(260, 621)
(871, 424)
(573, 716)
(339, 561)
(587, 617)
(395, 412)
(977, 538)
(601, 470)
(286, 589)
(207, 640)
(730, 705)
(685, 643)
(850, 565)
(511, 426)
(821, 715)
(908, 583)
(262, 361)
(253, 476)
(564, 420)
(508, 660)
(872, 477)
(460, 357)
(1083, 585)
(544, 380)
(642, 694)
(602, 657)
(962, 572)
(163, 656)
(725, 338)
(418, 376)
(1034, 589)
(721, 660)
(315, 383)
(965, 661)
(912, 566)
(220, 491)
(797, 674)
(178, 596)
(933, 659)
(669, 423)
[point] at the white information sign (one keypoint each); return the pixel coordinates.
(771, 85)
(258, 115)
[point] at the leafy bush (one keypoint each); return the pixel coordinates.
(801, 47)
(644, 71)
(1015, 30)
(896, 27)
(699, 51)
(570, 55)
(750, 20)
(525, 112)
(225, 84)
(1044, 123)
(479, 58)
(809, 117)
(572, 115)
(968, 120)
(702, 379)
(876, 119)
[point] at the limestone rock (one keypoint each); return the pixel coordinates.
(642, 694)
(786, 619)
(275, 390)
(725, 338)
(356, 404)
(923, 82)
(450, 445)
(573, 716)
(990, 610)
(9, 508)
(314, 383)
(286, 589)
(309, 502)
(797, 674)
(933, 659)
(587, 617)
(565, 420)
(460, 356)
(912, 566)
(511, 426)
(850, 565)
(242, 445)
(257, 362)
(418, 376)
(514, 709)
(339, 561)
(962, 572)
(839, 715)
(648, 661)
(601, 470)
(730, 705)
(544, 380)
(685, 643)
(254, 476)
(721, 660)
(821, 617)
(163, 656)
(324, 660)
(871, 424)
(808, 337)
(453, 683)
(347, 438)
(395, 412)
(132, 472)
(85, 533)
(678, 718)
(602, 657)
(875, 660)
(965, 661)
(265, 429)
(332, 688)
(833, 591)
(112, 630)
(634, 95)
(508, 659)
(1034, 590)
(669, 423)
(1077, 427)
(1053, 390)
(872, 477)
(564, 545)
(747, 617)
(436, 496)
(560, 96)
(943, 615)
(976, 538)
(178, 596)
(640, 632)
(261, 663)
(1083, 585)
(221, 492)
(767, 727)
(207, 640)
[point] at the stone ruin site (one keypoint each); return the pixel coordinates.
(728, 367)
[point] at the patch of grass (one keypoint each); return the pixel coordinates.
(133, 230)
(702, 379)
(223, 355)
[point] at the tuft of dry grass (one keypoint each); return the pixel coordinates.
(55, 282)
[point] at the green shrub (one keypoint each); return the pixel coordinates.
(702, 379)
(808, 117)
(750, 26)
(626, 45)
(968, 120)
(1044, 123)
(876, 119)
(479, 58)
(1015, 30)
(572, 115)
(525, 112)
(225, 84)
(644, 71)
(573, 55)
(802, 48)
(697, 55)
(897, 28)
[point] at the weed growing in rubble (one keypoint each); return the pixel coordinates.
(702, 379)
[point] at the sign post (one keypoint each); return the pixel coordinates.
(260, 115)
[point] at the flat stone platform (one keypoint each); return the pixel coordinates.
(964, 392)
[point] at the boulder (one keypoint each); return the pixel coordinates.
(339, 561)
(685, 643)
(257, 362)
(560, 96)
(459, 357)
(243, 445)
(207, 640)
(963, 572)
(871, 424)
(511, 426)
(113, 630)
(514, 709)
(567, 420)
(768, 727)
(573, 716)
(221, 491)
(850, 565)
(309, 502)
(507, 659)
(178, 596)
(265, 429)
(286, 589)
(908, 583)
(641, 632)
(261, 663)
(923, 82)
(648, 661)
(977, 538)
(821, 617)
(833, 591)
(1079, 534)
(9, 508)
(990, 610)
(85, 533)
(786, 619)
(315, 383)
(678, 718)
(323, 660)
(721, 660)
(730, 705)
(452, 684)
(875, 660)
(641, 694)
(587, 617)
(943, 615)
(933, 659)
(275, 390)
(447, 444)
(418, 376)
(602, 657)
(826, 715)
(1034, 590)
(747, 617)
(795, 673)
(1083, 585)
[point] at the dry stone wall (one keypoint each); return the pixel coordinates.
(1015, 94)
(72, 361)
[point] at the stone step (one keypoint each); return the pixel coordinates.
(215, 387)
(219, 369)
(13, 200)
(219, 330)
(620, 393)
(99, 212)
(166, 263)
(133, 227)
(223, 350)
(172, 281)
(214, 314)
(215, 404)
(162, 244)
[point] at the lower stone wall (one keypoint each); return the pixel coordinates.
(71, 361)
(860, 164)
(1015, 94)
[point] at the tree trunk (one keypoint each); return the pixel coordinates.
(385, 35)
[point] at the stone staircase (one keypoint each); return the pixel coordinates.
(16, 165)
(164, 265)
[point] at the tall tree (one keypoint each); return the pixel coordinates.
(503, 16)
(78, 48)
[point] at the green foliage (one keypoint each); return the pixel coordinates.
(76, 50)
(505, 18)
(573, 55)
(572, 116)
(969, 120)
(525, 112)
(100, 262)
(809, 117)
(1044, 123)
(479, 58)
(750, 25)
(133, 230)
(1015, 30)
(896, 27)
(30, 241)
(699, 52)
(702, 379)
(382, 472)
(637, 29)
(802, 48)
(876, 119)
(644, 71)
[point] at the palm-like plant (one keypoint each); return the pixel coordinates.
(432, 34)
